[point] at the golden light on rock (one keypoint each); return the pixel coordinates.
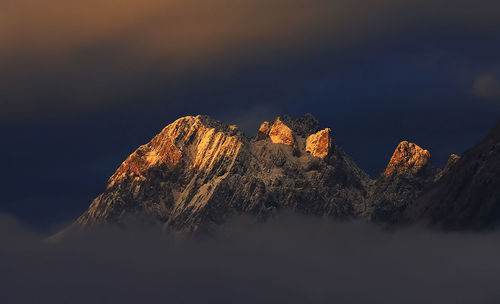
(320, 143)
(408, 159)
(281, 134)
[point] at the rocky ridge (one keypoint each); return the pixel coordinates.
(197, 172)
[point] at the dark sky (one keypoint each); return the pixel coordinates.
(83, 83)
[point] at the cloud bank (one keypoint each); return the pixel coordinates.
(81, 56)
(288, 260)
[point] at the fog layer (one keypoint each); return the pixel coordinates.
(290, 259)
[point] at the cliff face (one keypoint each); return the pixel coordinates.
(196, 172)
(179, 169)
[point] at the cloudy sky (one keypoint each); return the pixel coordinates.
(83, 83)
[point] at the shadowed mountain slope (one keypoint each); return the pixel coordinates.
(468, 193)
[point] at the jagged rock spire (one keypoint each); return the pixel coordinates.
(284, 130)
(408, 160)
(281, 133)
(320, 144)
(278, 132)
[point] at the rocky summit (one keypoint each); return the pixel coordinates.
(407, 174)
(408, 159)
(197, 172)
(319, 144)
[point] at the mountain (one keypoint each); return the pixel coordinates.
(408, 173)
(467, 194)
(197, 172)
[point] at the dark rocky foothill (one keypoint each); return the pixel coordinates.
(467, 195)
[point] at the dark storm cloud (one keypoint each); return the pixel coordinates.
(289, 260)
(81, 56)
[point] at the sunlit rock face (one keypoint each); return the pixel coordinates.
(281, 133)
(409, 171)
(319, 144)
(408, 160)
(169, 148)
(197, 172)
(158, 178)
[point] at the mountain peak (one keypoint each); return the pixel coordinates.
(198, 171)
(189, 139)
(408, 160)
(278, 132)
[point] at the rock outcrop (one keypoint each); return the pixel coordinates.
(408, 160)
(409, 171)
(319, 144)
(279, 133)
